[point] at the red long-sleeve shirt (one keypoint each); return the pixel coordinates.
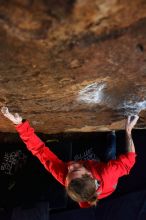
(106, 173)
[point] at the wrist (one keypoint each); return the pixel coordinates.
(17, 123)
(20, 122)
(128, 132)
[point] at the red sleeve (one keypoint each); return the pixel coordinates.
(122, 165)
(50, 161)
(84, 205)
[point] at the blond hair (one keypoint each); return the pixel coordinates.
(83, 190)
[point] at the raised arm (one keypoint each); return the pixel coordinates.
(50, 161)
(130, 123)
(123, 164)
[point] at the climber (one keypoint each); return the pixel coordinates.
(87, 181)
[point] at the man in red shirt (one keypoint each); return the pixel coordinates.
(85, 181)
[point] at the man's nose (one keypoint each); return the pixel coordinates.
(71, 167)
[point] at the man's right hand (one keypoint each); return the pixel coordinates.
(16, 118)
(131, 122)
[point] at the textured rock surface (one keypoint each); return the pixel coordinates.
(73, 65)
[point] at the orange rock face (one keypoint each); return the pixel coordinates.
(73, 65)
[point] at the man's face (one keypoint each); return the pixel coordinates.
(76, 170)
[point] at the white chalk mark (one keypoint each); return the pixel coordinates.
(134, 107)
(88, 154)
(12, 161)
(92, 93)
(95, 94)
